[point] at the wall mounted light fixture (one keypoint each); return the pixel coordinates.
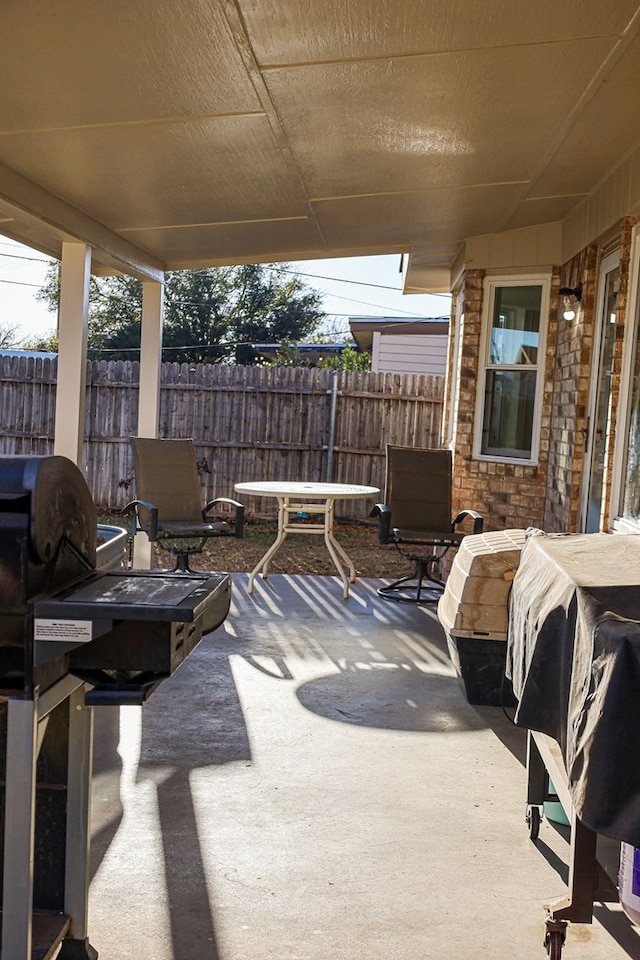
(570, 297)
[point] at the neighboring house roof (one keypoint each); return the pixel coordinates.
(363, 328)
(403, 344)
(28, 353)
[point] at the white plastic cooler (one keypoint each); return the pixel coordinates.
(474, 612)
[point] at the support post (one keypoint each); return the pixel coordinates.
(149, 390)
(72, 350)
(331, 433)
(150, 358)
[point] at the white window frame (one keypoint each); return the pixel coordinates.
(617, 522)
(607, 265)
(454, 367)
(491, 284)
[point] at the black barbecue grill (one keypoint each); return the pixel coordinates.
(71, 637)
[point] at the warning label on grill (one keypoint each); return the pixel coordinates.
(68, 631)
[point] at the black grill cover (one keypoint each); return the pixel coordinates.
(573, 656)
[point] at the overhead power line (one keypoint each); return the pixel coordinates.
(388, 312)
(360, 283)
(19, 256)
(297, 273)
(21, 283)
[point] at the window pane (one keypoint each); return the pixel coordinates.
(515, 330)
(509, 402)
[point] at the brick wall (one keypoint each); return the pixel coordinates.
(507, 495)
(575, 361)
(570, 393)
(547, 495)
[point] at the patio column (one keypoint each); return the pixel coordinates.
(150, 358)
(149, 391)
(72, 350)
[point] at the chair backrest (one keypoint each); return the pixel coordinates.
(167, 476)
(418, 488)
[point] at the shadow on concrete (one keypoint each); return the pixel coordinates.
(190, 902)
(391, 696)
(614, 921)
(387, 664)
(175, 740)
(373, 664)
(620, 928)
(552, 858)
(500, 720)
(106, 815)
(210, 731)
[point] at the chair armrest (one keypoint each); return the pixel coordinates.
(133, 507)
(383, 513)
(238, 525)
(478, 521)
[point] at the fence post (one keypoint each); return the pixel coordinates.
(332, 424)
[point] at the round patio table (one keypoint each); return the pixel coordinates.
(317, 499)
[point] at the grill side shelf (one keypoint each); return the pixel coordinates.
(135, 596)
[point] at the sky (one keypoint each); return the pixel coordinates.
(350, 287)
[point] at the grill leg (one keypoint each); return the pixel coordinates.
(19, 828)
(28, 726)
(78, 825)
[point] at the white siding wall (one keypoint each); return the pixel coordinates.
(420, 353)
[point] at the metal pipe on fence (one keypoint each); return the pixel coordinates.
(331, 432)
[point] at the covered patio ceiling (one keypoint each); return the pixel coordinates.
(213, 132)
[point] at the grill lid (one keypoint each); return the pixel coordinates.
(58, 500)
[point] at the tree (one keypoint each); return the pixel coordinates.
(211, 315)
(9, 336)
(290, 355)
(280, 309)
(348, 359)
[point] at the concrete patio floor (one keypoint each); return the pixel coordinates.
(313, 784)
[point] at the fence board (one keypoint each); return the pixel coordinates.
(248, 423)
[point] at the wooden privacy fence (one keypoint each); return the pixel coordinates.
(248, 423)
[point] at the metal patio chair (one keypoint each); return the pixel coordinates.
(168, 505)
(416, 517)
